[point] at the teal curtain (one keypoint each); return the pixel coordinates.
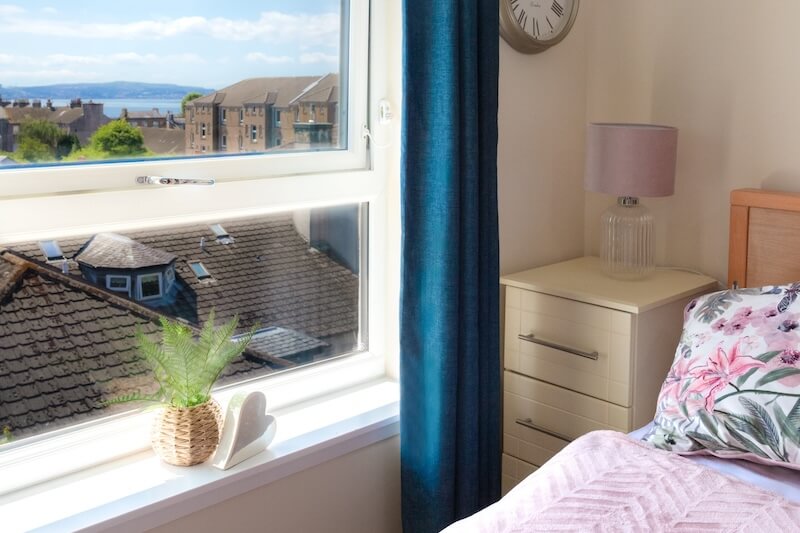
(449, 318)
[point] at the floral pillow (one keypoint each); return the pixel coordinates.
(734, 386)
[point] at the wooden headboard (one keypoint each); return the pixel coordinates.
(764, 238)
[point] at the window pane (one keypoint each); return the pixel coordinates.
(188, 66)
(68, 340)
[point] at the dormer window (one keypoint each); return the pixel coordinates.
(149, 286)
(222, 236)
(51, 250)
(200, 270)
(118, 283)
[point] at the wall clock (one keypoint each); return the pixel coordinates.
(532, 26)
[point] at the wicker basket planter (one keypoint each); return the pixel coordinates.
(185, 436)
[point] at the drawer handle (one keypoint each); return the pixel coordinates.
(588, 355)
(528, 423)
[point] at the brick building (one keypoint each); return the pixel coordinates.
(262, 114)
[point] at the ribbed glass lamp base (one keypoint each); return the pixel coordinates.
(627, 248)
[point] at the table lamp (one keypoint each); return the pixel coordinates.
(630, 161)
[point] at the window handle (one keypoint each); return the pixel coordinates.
(160, 180)
(588, 355)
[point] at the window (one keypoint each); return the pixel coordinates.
(118, 283)
(224, 116)
(241, 117)
(51, 250)
(149, 286)
(199, 270)
(224, 143)
(253, 134)
(255, 198)
(203, 130)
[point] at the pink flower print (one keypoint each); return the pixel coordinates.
(788, 358)
(719, 372)
(671, 389)
(719, 325)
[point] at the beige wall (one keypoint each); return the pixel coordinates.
(357, 493)
(540, 152)
(727, 74)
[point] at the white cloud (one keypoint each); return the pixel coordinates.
(49, 10)
(32, 76)
(260, 57)
(271, 26)
(318, 57)
(6, 59)
(131, 58)
(10, 10)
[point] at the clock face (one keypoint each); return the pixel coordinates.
(534, 25)
(541, 19)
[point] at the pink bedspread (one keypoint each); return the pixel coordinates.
(605, 481)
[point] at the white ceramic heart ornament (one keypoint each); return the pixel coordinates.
(247, 429)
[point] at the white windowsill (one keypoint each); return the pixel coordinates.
(140, 492)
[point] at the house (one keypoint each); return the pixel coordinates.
(260, 114)
(69, 309)
(79, 118)
(144, 119)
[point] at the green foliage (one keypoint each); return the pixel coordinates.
(118, 139)
(188, 98)
(30, 149)
(7, 436)
(41, 140)
(186, 367)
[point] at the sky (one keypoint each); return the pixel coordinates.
(202, 43)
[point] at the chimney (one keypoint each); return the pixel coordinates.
(202, 244)
(49, 105)
(124, 113)
(64, 266)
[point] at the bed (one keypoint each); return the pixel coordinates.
(723, 450)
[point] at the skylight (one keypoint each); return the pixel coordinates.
(51, 250)
(200, 270)
(222, 236)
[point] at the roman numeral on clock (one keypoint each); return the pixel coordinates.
(557, 8)
(536, 32)
(522, 18)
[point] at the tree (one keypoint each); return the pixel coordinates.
(42, 140)
(188, 98)
(118, 138)
(31, 149)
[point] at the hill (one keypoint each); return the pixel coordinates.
(114, 89)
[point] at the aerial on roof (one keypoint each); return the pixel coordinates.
(67, 343)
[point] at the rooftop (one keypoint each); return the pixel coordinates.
(67, 344)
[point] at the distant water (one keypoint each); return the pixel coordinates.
(113, 106)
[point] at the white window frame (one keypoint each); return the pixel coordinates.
(95, 197)
(224, 142)
(139, 292)
(126, 289)
(253, 133)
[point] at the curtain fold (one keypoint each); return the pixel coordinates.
(449, 318)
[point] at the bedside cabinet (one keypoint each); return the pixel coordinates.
(584, 352)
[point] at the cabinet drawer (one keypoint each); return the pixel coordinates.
(530, 445)
(514, 471)
(572, 325)
(556, 410)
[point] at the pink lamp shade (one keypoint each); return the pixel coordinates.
(631, 159)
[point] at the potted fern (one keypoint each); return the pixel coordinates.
(187, 430)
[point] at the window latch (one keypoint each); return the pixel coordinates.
(160, 180)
